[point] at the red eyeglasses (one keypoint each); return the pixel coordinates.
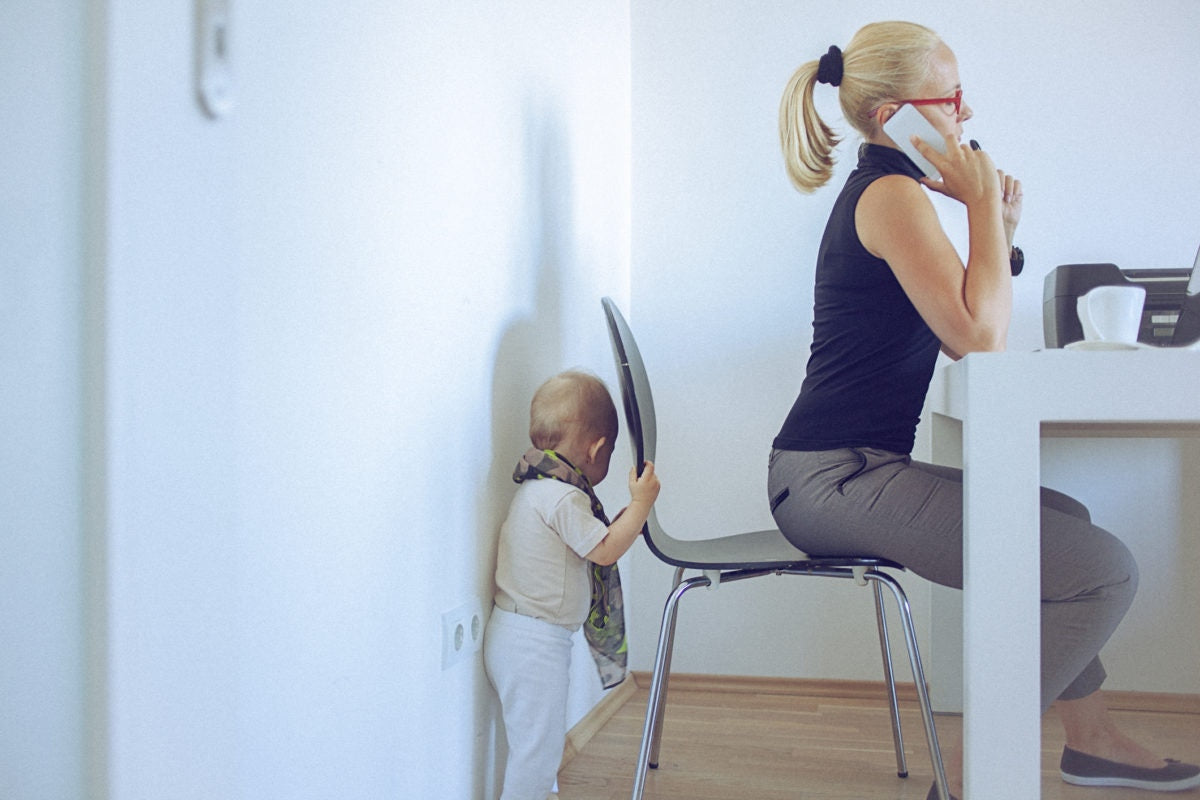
(955, 101)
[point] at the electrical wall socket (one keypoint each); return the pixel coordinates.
(462, 633)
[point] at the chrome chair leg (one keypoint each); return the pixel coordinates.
(914, 660)
(660, 712)
(890, 679)
(657, 680)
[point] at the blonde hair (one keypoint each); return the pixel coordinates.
(571, 402)
(884, 62)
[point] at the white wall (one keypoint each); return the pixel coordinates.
(41, 504)
(316, 326)
(1089, 104)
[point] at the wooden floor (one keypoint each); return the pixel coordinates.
(719, 745)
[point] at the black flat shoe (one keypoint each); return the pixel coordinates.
(1084, 770)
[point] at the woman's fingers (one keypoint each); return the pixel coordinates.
(966, 173)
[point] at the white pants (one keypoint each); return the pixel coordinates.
(528, 661)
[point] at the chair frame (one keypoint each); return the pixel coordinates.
(742, 556)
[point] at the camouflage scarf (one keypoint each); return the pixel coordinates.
(604, 627)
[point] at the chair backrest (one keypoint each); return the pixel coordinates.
(639, 419)
(635, 386)
(753, 550)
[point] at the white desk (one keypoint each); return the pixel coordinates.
(999, 405)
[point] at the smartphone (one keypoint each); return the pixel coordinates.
(907, 122)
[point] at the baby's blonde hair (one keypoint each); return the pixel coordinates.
(884, 62)
(570, 402)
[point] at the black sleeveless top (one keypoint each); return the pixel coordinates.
(872, 355)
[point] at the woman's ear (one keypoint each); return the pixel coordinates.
(886, 112)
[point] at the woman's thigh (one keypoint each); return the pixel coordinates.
(860, 502)
(863, 501)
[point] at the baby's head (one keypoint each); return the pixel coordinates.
(574, 415)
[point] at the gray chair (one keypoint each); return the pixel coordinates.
(738, 557)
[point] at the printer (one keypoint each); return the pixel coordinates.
(1170, 317)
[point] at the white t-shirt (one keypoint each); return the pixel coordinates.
(541, 565)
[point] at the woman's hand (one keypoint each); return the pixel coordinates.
(1011, 209)
(967, 175)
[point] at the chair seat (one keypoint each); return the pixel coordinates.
(767, 549)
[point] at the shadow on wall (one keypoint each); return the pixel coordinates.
(530, 349)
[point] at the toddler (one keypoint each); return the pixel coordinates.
(557, 549)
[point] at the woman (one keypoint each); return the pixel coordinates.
(891, 291)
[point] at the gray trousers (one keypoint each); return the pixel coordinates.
(863, 501)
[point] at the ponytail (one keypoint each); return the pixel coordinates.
(884, 62)
(807, 141)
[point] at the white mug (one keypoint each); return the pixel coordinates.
(1111, 313)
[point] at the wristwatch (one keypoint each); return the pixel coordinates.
(1016, 260)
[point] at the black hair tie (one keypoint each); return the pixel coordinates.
(829, 70)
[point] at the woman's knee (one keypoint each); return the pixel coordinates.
(1116, 559)
(1120, 569)
(1079, 559)
(1127, 565)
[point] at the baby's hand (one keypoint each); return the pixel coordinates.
(644, 488)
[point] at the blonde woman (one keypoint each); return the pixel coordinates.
(891, 292)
